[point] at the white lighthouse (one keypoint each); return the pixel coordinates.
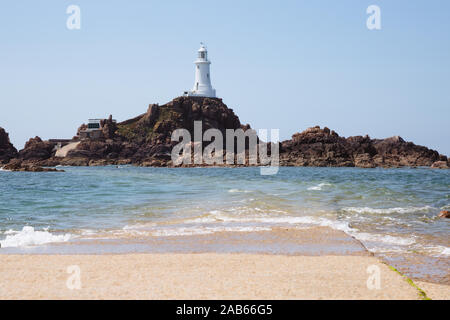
(202, 84)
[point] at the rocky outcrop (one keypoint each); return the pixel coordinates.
(395, 151)
(7, 150)
(325, 148)
(36, 149)
(19, 165)
(316, 147)
(146, 140)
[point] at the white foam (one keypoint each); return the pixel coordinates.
(139, 226)
(394, 240)
(4, 170)
(238, 191)
(438, 251)
(445, 251)
(387, 210)
(312, 221)
(29, 237)
(87, 232)
(319, 186)
(188, 231)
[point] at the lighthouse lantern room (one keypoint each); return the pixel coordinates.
(202, 84)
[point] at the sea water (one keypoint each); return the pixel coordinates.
(393, 212)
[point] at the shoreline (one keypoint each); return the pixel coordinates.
(340, 272)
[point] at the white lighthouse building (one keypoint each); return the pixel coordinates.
(202, 84)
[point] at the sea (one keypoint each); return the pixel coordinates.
(119, 209)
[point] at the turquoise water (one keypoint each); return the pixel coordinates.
(390, 210)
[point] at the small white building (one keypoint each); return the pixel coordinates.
(94, 124)
(202, 84)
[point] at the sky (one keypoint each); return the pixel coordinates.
(285, 65)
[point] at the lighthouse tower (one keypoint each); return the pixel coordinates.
(202, 84)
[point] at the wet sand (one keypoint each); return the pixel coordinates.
(316, 263)
(284, 241)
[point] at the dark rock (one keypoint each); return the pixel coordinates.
(108, 128)
(75, 162)
(317, 148)
(36, 149)
(395, 151)
(320, 147)
(440, 165)
(7, 150)
(13, 165)
(444, 214)
(19, 165)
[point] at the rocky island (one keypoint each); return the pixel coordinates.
(146, 141)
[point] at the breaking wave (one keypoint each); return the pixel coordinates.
(400, 210)
(319, 186)
(29, 237)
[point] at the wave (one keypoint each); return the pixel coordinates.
(388, 239)
(401, 210)
(320, 186)
(308, 221)
(216, 216)
(189, 231)
(445, 251)
(239, 191)
(29, 237)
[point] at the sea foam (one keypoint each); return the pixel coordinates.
(29, 237)
(319, 186)
(387, 210)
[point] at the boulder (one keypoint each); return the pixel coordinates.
(444, 214)
(7, 150)
(440, 165)
(35, 149)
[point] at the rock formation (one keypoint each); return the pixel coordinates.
(7, 150)
(324, 148)
(19, 165)
(146, 140)
(36, 149)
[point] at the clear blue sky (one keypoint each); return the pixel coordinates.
(278, 64)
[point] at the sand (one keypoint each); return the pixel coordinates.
(435, 291)
(201, 276)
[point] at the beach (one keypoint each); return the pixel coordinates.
(308, 274)
(198, 276)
